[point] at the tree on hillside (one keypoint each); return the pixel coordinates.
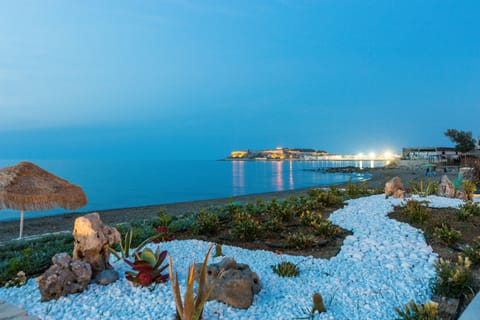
(463, 140)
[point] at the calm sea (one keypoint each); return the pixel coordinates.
(122, 183)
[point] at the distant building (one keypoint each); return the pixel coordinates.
(432, 154)
(238, 154)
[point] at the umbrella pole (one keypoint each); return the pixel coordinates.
(22, 213)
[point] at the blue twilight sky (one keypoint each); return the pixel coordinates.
(168, 79)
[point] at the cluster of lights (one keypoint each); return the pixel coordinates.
(387, 155)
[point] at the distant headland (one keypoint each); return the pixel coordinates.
(304, 154)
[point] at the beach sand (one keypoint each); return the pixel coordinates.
(37, 226)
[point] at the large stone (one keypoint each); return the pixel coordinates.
(65, 276)
(394, 187)
(106, 277)
(237, 284)
(92, 239)
(460, 195)
(467, 173)
(446, 188)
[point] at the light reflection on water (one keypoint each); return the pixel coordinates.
(122, 184)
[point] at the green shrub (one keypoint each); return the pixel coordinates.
(309, 218)
(330, 199)
(286, 269)
(273, 224)
(447, 234)
(232, 209)
(326, 229)
(356, 190)
(473, 252)
(19, 281)
(470, 208)
(454, 279)
(417, 211)
(32, 256)
(298, 240)
(282, 211)
(413, 311)
(245, 227)
(463, 215)
(206, 223)
(184, 223)
(469, 187)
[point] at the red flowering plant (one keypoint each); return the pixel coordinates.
(163, 235)
(147, 267)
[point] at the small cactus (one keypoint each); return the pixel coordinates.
(318, 303)
(218, 250)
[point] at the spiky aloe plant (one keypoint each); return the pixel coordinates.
(286, 269)
(126, 245)
(148, 267)
(469, 188)
(413, 311)
(191, 308)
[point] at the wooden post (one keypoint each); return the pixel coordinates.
(22, 213)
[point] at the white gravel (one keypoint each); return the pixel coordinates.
(384, 264)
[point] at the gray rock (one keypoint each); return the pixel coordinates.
(446, 188)
(394, 187)
(106, 277)
(65, 276)
(237, 285)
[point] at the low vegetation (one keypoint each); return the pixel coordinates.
(450, 232)
(295, 222)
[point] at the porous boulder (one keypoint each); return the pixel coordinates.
(65, 276)
(394, 187)
(446, 188)
(237, 284)
(92, 239)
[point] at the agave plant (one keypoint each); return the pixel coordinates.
(469, 188)
(286, 269)
(126, 244)
(148, 267)
(191, 308)
(413, 311)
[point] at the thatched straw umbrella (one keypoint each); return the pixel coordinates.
(29, 187)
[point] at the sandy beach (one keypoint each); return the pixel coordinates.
(42, 225)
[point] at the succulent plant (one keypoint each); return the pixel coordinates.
(413, 311)
(286, 269)
(162, 235)
(148, 267)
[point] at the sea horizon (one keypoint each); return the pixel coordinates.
(114, 184)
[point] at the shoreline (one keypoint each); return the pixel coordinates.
(64, 222)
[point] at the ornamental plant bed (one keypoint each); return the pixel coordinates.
(318, 246)
(450, 235)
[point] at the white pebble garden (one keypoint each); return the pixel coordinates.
(384, 264)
